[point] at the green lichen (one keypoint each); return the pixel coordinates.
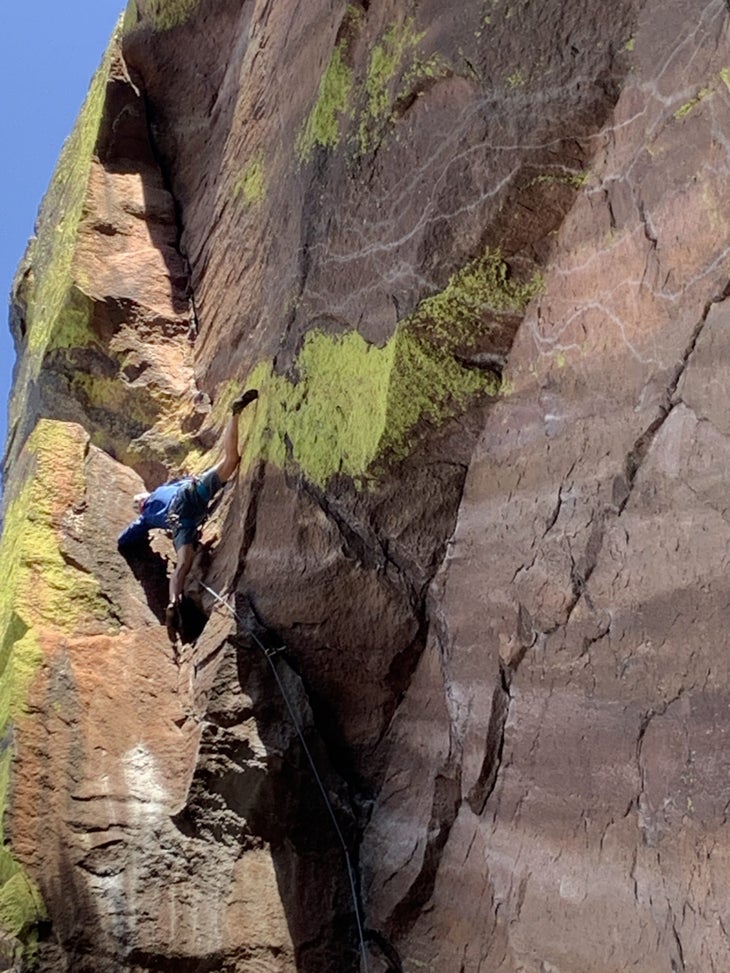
(427, 383)
(40, 592)
(354, 405)
(40, 589)
(706, 92)
(396, 71)
(516, 79)
(21, 908)
(57, 312)
(483, 286)
(322, 127)
(341, 379)
(21, 904)
(385, 60)
(577, 178)
(100, 392)
(250, 187)
(225, 395)
(422, 71)
(630, 44)
(166, 14)
(688, 106)
(138, 409)
(131, 422)
(394, 55)
(129, 17)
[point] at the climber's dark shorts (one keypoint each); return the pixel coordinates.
(190, 506)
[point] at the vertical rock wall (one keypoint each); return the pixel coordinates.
(475, 260)
(576, 678)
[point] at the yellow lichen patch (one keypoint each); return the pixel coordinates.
(332, 418)
(420, 72)
(129, 17)
(148, 407)
(97, 391)
(385, 60)
(396, 71)
(250, 187)
(151, 418)
(395, 55)
(259, 429)
(354, 404)
(692, 103)
(169, 13)
(57, 313)
(576, 178)
(483, 286)
(21, 904)
(335, 414)
(41, 593)
(195, 461)
(322, 127)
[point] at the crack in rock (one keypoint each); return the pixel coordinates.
(485, 783)
(646, 825)
(386, 949)
(361, 542)
(444, 809)
(623, 485)
(642, 445)
(680, 950)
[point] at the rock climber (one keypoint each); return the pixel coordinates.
(180, 506)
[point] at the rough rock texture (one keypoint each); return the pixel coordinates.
(475, 256)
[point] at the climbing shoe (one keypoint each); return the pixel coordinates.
(242, 401)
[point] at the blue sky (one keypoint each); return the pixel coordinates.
(48, 53)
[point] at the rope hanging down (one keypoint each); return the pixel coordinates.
(312, 764)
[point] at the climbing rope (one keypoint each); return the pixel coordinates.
(312, 764)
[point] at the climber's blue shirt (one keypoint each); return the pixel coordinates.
(157, 506)
(155, 514)
(179, 506)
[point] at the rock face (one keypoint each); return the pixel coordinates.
(475, 256)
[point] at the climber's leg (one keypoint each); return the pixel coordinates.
(231, 456)
(182, 570)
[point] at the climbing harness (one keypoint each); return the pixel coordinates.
(269, 654)
(189, 497)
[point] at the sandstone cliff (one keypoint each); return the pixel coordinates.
(476, 258)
